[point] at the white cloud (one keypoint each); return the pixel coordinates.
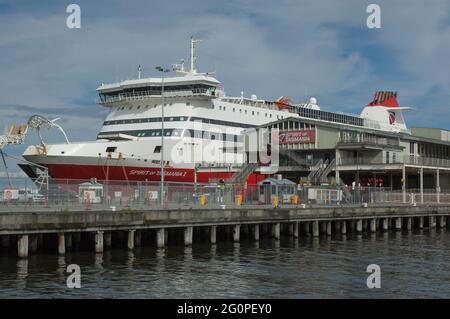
(294, 48)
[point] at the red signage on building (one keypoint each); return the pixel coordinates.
(297, 137)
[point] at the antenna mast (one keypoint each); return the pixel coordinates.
(193, 55)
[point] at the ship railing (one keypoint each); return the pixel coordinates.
(248, 102)
(407, 160)
(370, 140)
(131, 96)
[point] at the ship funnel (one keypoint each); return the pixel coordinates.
(385, 98)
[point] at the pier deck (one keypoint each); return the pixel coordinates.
(311, 221)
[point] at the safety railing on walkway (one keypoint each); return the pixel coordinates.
(64, 195)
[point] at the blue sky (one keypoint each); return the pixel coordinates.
(291, 48)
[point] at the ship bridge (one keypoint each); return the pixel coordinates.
(198, 85)
(186, 84)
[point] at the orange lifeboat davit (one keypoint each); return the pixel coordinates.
(284, 103)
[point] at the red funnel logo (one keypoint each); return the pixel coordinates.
(392, 117)
(385, 98)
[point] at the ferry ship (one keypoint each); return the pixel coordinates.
(202, 129)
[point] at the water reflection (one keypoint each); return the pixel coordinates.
(22, 273)
(213, 251)
(315, 243)
(236, 252)
(61, 267)
(130, 259)
(98, 261)
(413, 264)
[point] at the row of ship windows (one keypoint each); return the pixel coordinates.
(245, 112)
(290, 125)
(178, 132)
(122, 108)
(330, 116)
(178, 119)
(221, 108)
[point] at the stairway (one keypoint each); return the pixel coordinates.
(241, 176)
(323, 178)
(314, 171)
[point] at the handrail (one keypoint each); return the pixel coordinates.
(149, 93)
(409, 160)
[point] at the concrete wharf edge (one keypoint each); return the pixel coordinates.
(76, 221)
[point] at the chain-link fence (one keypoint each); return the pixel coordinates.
(119, 195)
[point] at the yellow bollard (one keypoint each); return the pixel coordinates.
(276, 201)
(203, 200)
(239, 200)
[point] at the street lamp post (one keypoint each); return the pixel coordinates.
(162, 70)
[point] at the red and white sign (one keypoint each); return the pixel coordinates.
(297, 137)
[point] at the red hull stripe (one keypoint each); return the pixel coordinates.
(118, 173)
